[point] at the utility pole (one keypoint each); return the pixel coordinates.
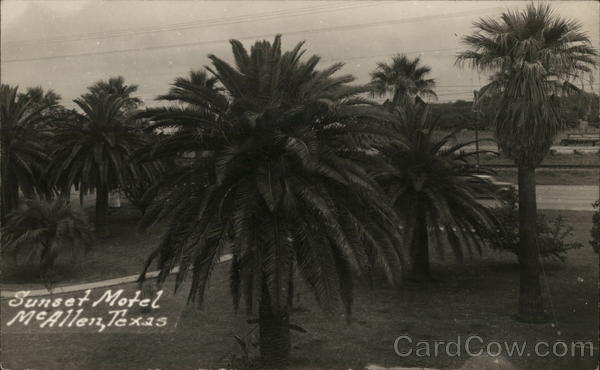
(476, 110)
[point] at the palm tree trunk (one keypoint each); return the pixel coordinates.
(420, 251)
(10, 198)
(101, 211)
(530, 297)
(275, 344)
(65, 194)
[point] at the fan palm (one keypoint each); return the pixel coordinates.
(403, 79)
(534, 57)
(93, 149)
(42, 230)
(279, 181)
(433, 185)
(22, 155)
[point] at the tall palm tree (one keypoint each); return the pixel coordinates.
(116, 86)
(22, 156)
(403, 79)
(279, 181)
(43, 229)
(534, 57)
(433, 185)
(93, 149)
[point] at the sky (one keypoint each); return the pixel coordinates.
(68, 45)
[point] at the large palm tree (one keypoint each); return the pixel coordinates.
(403, 79)
(432, 183)
(534, 57)
(23, 157)
(278, 180)
(93, 149)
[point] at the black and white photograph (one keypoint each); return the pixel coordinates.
(293, 184)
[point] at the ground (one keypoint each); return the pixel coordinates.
(478, 297)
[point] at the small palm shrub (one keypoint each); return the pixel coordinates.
(42, 230)
(595, 242)
(552, 233)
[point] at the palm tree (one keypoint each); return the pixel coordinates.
(192, 91)
(433, 185)
(534, 57)
(279, 181)
(93, 149)
(22, 155)
(49, 100)
(37, 94)
(184, 89)
(116, 86)
(403, 79)
(44, 229)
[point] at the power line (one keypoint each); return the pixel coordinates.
(207, 42)
(151, 28)
(342, 59)
(196, 24)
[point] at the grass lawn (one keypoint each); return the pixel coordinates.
(478, 297)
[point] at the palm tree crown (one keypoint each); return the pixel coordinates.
(23, 157)
(534, 57)
(403, 79)
(116, 86)
(48, 99)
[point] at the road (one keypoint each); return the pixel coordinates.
(568, 197)
(565, 197)
(558, 149)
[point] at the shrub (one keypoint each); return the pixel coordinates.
(41, 230)
(552, 233)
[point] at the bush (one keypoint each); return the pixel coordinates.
(552, 233)
(41, 230)
(595, 242)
